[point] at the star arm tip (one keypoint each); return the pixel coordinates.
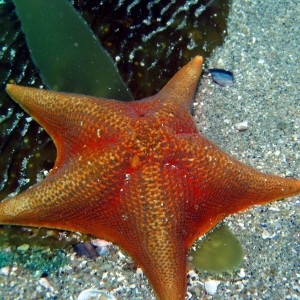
(153, 198)
(198, 59)
(13, 91)
(233, 187)
(176, 97)
(182, 86)
(8, 87)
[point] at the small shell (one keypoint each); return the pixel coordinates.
(95, 294)
(222, 77)
(211, 286)
(242, 126)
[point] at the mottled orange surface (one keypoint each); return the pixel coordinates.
(138, 174)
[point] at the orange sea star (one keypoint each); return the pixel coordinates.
(138, 174)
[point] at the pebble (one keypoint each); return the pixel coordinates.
(102, 247)
(267, 235)
(23, 247)
(90, 294)
(8, 270)
(211, 286)
(46, 284)
(242, 126)
(85, 249)
(192, 274)
(139, 273)
(242, 273)
(103, 251)
(121, 256)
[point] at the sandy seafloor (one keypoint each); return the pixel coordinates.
(262, 49)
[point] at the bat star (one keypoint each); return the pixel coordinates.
(138, 174)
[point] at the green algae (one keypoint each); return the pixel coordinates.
(7, 258)
(35, 260)
(46, 248)
(66, 52)
(218, 251)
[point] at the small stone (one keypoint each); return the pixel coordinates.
(121, 278)
(91, 294)
(8, 270)
(102, 247)
(139, 273)
(51, 233)
(121, 256)
(211, 286)
(192, 274)
(5, 271)
(267, 235)
(103, 251)
(23, 247)
(85, 249)
(242, 126)
(242, 273)
(46, 284)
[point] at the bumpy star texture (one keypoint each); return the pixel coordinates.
(138, 174)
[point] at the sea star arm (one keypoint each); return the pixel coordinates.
(172, 105)
(94, 200)
(222, 185)
(181, 88)
(152, 200)
(73, 121)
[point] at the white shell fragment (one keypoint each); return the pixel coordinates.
(90, 294)
(242, 126)
(242, 273)
(46, 284)
(211, 286)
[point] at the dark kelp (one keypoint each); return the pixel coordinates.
(66, 52)
(151, 40)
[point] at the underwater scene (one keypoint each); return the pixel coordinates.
(113, 184)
